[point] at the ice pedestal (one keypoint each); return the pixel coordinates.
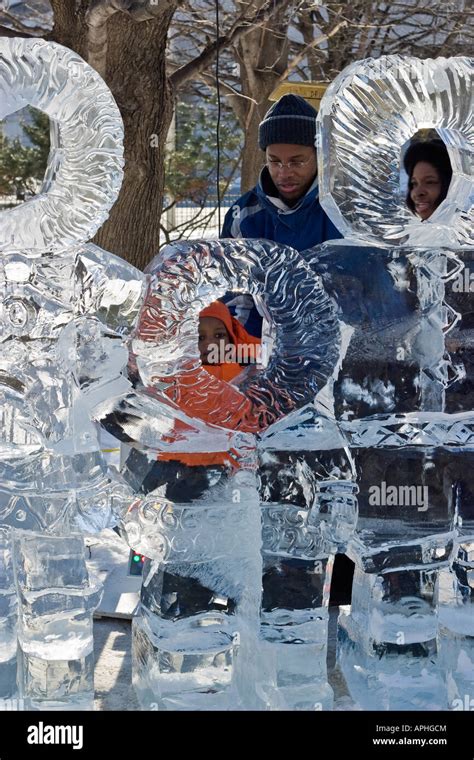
(404, 540)
(308, 513)
(387, 639)
(186, 663)
(194, 636)
(403, 385)
(65, 308)
(456, 632)
(389, 393)
(57, 600)
(8, 618)
(388, 676)
(456, 613)
(293, 632)
(198, 518)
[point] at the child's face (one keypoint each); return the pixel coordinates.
(211, 332)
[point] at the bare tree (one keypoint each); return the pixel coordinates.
(314, 41)
(147, 51)
(371, 28)
(126, 41)
(251, 65)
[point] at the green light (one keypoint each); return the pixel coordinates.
(136, 558)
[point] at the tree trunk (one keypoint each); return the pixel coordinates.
(309, 31)
(66, 28)
(141, 89)
(263, 56)
(136, 74)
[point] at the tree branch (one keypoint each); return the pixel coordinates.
(299, 57)
(5, 31)
(238, 30)
(239, 105)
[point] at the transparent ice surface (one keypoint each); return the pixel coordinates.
(385, 373)
(387, 390)
(369, 112)
(309, 511)
(88, 158)
(402, 390)
(183, 279)
(196, 635)
(64, 309)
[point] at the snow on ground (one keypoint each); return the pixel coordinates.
(107, 557)
(113, 665)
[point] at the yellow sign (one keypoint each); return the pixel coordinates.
(310, 91)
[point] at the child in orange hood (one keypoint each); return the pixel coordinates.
(218, 330)
(220, 336)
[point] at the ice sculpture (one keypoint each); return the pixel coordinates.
(403, 401)
(195, 637)
(64, 307)
(309, 511)
(68, 309)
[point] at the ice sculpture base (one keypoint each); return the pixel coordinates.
(293, 671)
(389, 676)
(176, 668)
(57, 684)
(457, 660)
(297, 677)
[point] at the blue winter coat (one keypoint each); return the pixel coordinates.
(256, 216)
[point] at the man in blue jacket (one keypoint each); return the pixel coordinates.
(284, 206)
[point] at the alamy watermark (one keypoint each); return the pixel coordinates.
(42, 733)
(12, 705)
(465, 703)
(243, 353)
(464, 282)
(384, 495)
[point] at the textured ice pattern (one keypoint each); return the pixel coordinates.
(402, 394)
(183, 279)
(206, 637)
(85, 167)
(64, 307)
(309, 511)
(369, 112)
(368, 391)
(196, 635)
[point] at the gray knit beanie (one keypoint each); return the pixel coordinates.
(290, 120)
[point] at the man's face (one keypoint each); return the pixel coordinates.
(293, 181)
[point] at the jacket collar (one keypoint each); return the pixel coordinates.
(268, 194)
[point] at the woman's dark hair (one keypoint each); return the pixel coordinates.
(434, 152)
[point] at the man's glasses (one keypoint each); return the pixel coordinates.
(274, 164)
